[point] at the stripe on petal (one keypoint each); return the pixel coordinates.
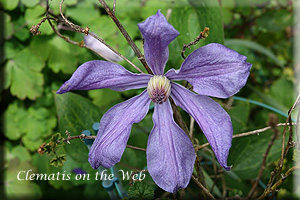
(157, 34)
(213, 120)
(214, 70)
(99, 74)
(114, 130)
(170, 153)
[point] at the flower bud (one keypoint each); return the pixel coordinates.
(159, 88)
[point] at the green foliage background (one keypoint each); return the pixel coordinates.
(34, 67)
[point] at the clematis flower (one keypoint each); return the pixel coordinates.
(213, 70)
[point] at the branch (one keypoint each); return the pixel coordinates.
(203, 188)
(255, 132)
(202, 35)
(273, 124)
(278, 183)
(126, 35)
(83, 136)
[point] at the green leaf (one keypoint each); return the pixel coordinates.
(210, 15)
(210, 183)
(25, 77)
(191, 19)
(89, 12)
(239, 116)
(61, 57)
(285, 98)
(58, 160)
(75, 114)
(21, 152)
(9, 27)
(233, 43)
(30, 3)
(32, 143)
(21, 32)
(20, 189)
(246, 154)
(141, 190)
(105, 98)
(12, 117)
(9, 4)
(296, 156)
(34, 15)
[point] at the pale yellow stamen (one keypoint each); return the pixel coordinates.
(159, 88)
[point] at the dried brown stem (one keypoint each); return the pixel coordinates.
(255, 132)
(278, 183)
(207, 193)
(83, 136)
(273, 124)
(126, 35)
(202, 35)
(284, 150)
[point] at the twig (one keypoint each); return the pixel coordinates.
(273, 124)
(35, 28)
(126, 35)
(92, 137)
(203, 188)
(202, 35)
(283, 177)
(255, 132)
(136, 148)
(284, 150)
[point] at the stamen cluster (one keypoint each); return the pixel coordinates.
(159, 88)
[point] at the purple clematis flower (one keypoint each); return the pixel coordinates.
(212, 70)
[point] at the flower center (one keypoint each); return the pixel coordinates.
(159, 88)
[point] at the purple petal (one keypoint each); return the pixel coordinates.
(158, 34)
(99, 74)
(211, 117)
(114, 130)
(99, 47)
(170, 152)
(214, 70)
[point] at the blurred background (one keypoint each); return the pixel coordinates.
(33, 67)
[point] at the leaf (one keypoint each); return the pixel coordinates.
(233, 43)
(61, 57)
(210, 183)
(21, 32)
(282, 92)
(34, 15)
(58, 160)
(30, 3)
(12, 118)
(141, 190)
(21, 152)
(105, 98)
(210, 15)
(191, 19)
(9, 27)
(32, 143)
(26, 81)
(239, 116)
(9, 4)
(75, 114)
(246, 154)
(20, 189)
